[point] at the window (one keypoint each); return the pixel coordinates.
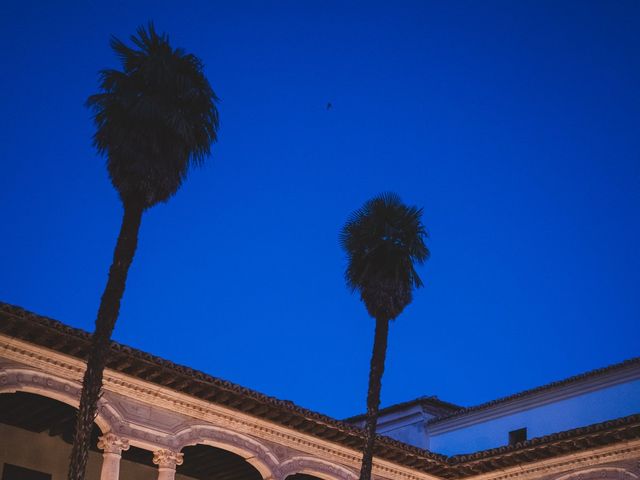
(13, 472)
(517, 436)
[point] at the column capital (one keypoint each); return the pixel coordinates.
(167, 458)
(111, 443)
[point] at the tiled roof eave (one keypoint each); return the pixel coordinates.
(445, 408)
(541, 448)
(19, 323)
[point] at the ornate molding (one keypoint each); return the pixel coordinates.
(45, 359)
(111, 443)
(317, 467)
(592, 458)
(167, 458)
(611, 473)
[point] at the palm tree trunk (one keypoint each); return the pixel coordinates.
(373, 395)
(101, 338)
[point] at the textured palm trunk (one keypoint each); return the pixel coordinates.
(373, 395)
(101, 338)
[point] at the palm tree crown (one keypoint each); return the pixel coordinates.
(384, 240)
(154, 118)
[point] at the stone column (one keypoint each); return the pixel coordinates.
(112, 446)
(167, 461)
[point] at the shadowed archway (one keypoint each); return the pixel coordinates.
(204, 462)
(38, 414)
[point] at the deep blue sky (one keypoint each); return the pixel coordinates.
(516, 125)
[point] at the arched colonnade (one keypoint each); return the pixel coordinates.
(168, 453)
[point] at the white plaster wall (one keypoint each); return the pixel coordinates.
(413, 434)
(39, 451)
(407, 425)
(606, 404)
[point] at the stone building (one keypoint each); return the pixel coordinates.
(161, 420)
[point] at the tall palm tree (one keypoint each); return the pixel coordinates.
(155, 118)
(383, 240)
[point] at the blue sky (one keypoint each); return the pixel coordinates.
(514, 124)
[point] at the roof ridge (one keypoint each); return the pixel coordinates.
(542, 388)
(433, 399)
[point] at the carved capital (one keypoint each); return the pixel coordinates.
(111, 443)
(167, 458)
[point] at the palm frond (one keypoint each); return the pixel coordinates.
(155, 118)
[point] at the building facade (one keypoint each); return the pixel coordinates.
(161, 420)
(586, 399)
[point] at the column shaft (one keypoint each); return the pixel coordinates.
(166, 473)
(110, 466)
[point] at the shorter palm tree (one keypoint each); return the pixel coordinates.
(383, 240)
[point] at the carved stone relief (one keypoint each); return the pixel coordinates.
(167, 458)
(111, 443)
(317, 467)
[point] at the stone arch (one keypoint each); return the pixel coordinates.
(252, 451)
(600, 473)
(316, 467)
(46, 385)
